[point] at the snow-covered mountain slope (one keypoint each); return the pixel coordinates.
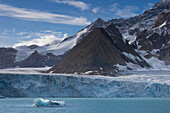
(29, 70)
(131, 27)
(136, 84)
(153, 44)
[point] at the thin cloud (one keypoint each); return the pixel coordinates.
(39, 41)
(125, 12)
(78, 4)
(42, 38)
(34, 15)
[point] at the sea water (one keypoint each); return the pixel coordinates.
(89, 105)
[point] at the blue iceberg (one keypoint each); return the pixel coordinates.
(39, 102)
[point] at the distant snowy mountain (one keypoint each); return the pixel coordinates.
(24, 52)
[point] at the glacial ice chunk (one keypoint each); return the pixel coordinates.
(39, 102)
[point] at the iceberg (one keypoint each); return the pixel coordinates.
(39, 102)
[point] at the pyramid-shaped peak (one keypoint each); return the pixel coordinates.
(98, 23)
(96, 53)
(99, 20)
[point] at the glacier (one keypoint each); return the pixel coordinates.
(153, 83)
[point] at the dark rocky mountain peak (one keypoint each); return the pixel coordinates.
(34, 60)
(38, 60)
(99, 21)
(97, 53)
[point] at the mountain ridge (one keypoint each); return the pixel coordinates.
(97, 53)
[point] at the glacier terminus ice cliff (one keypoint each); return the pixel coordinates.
(129, 84)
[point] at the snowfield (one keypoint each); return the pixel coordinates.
(154, 83)
(24, 70)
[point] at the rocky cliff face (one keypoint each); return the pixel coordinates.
(155, 42)
(98, 52)
(7, 57)
(131, 27)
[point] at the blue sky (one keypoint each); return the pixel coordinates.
(24, 22)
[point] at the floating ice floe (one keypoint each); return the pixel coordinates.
(39, 102)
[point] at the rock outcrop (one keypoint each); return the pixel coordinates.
(156, 41)
(7, 57)
(38, 60)
(131, 27)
